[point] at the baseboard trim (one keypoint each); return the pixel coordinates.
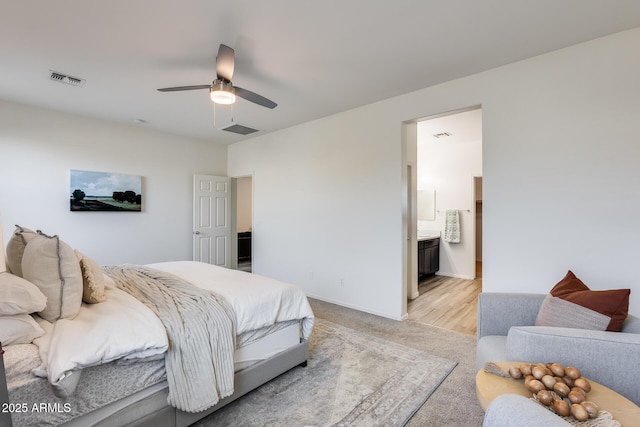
(359, 308)
(457, 276)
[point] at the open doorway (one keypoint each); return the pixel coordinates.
(243, 222)
(477, 190)
(449, 158)
(448, 180)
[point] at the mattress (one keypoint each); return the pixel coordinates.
(33, 403)
(255, 346)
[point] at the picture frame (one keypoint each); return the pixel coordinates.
(91, 191)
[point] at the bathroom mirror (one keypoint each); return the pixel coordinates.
(427, 204)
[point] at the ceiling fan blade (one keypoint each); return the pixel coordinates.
(254, 97)
(225, 62)
(178, 88)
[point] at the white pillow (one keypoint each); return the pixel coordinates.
(51, 265)
(19, 329)
(19, 296)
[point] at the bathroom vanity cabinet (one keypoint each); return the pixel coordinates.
(244, 245)
(428, 256)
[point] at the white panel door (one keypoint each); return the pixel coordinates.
(212, 219)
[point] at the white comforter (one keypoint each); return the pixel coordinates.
(257, 300)
(122, 327)
(119, 328)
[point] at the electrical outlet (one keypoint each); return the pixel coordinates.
(341, 281)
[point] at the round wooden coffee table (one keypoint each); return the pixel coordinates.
(490, 386)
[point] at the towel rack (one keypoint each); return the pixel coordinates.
(461, 210)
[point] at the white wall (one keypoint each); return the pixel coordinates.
(322, 214)
(560, 171)
(243, 208)
(38, 148)
(562, 182)
(449, 165)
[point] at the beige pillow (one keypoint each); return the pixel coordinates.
(3, 263)
(15, 248)
(51, 265)
(18, 296)
(19, 329)
(92, 280)
(583, 308)
(557, 312)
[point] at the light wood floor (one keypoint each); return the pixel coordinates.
(447, 302)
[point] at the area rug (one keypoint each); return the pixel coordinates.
(352, 379)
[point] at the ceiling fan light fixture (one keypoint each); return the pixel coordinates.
(222, 92)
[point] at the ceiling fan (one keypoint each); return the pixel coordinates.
(221, 90)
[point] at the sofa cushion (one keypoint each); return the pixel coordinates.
(572, 304)
(605, 357)
(491, 348)
(513, 410)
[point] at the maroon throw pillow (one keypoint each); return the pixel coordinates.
(613, 303)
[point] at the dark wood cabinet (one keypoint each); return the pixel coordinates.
(428, 257)
(244, 245)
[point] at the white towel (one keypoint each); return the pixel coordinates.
(452, 227)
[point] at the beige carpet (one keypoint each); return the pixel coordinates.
(454, 402)
(352, 379)
(358, 375)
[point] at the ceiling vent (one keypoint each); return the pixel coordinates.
(239, 129)
(62, 78)
(441, 135)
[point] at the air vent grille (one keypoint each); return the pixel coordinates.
(239, 129)
(62, 78)
(441, 135)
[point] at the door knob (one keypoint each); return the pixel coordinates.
(196, 232)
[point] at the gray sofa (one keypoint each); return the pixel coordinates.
(506, 331)
(513, 410)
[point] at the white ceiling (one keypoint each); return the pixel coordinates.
(312, 58)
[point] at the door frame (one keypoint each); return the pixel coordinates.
(409, 200)
(474, 220)
(234, 218)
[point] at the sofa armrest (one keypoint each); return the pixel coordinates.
(609, 358)
(498, 312)
(631, 325)
(513, 410)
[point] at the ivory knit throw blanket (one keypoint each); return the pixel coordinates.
(201, 328)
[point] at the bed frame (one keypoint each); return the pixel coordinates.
(149, 406)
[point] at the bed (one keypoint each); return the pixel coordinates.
(122, 360)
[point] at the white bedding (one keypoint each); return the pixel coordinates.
(258, 301)
(119, 328)
(123, 327)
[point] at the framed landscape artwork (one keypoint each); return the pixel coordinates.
(103, 191)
